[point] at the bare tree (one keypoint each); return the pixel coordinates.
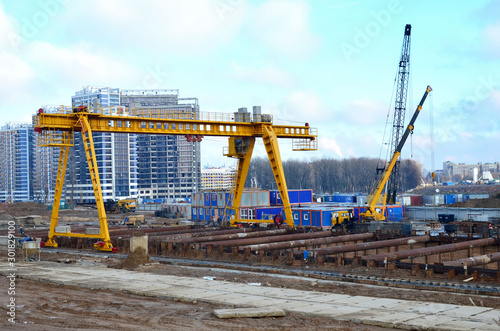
(329, 175)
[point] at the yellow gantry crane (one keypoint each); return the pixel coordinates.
(57, 129)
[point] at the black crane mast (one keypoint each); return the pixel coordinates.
(399, 113)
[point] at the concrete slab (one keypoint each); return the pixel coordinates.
(383, 318)
(419, 307)
(440, 322)
(348, 300)
(467, 312)
(248, 312)
(489, 316)
(313, 308)
(383, 312)
(253, 301)
(329, 298)
(372, 303)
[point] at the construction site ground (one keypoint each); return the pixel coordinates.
(80, 290)
(74, 291)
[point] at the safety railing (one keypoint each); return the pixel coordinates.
(55, 138)
(186, 113)
(304, 144)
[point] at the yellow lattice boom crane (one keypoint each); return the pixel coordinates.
(57, 129)
(372, 212)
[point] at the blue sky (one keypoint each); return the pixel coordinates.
(329, 63)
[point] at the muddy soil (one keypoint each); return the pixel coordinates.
(42, 306)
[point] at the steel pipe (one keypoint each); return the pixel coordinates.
(223, 237)
(310, 242)
(474, 261)
(394, 256)
(269, 239)
(201, 233)
(369, 245)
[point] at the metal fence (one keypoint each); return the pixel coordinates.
(431, 213)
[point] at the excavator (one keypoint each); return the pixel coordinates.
(120, 206)
(372, 211)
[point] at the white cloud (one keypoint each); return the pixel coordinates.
(329, 145)
(264, 75)
(495, 99)
(284, 26)
(15, 74)
(7, 31)
(304, 105)
(179, 27)
(364, 113)
(79, 65)
(492, 39)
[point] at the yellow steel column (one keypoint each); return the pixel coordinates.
(271, 143)
(61, 171)
(244, 157)
(88, 143)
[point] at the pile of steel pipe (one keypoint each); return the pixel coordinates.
(199, 232)
(269, 239)
(129, 231)
(309, 242)
(474, 261)
(223, 237)
(412, 253)
(369, 245)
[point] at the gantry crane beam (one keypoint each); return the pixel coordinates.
(224, 126)
(57, 129)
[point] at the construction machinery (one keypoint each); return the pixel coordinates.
(400, 102)
(166, 213)
(57, 129)
(372, 211)
(120, 206)
(342, 218)
(134, 220)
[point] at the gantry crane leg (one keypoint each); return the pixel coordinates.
(241, 176)
(271, 144)
(88, 144)
(61, 171)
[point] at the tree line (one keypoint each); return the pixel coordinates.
(328, 175)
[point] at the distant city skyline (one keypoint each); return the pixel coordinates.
(328, 63)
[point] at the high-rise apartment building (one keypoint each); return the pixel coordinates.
(168, 165)
(115, 154)
(467, 170)
(16, 164)
(217, 178)
(44, 173)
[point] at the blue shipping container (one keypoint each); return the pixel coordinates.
(214, 200)
(450, 198)
(296, 217)
(266, 212)
(306, 218)
(316, 218)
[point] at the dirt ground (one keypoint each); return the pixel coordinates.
(42, 306)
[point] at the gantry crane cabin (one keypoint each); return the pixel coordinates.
(57, 129)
